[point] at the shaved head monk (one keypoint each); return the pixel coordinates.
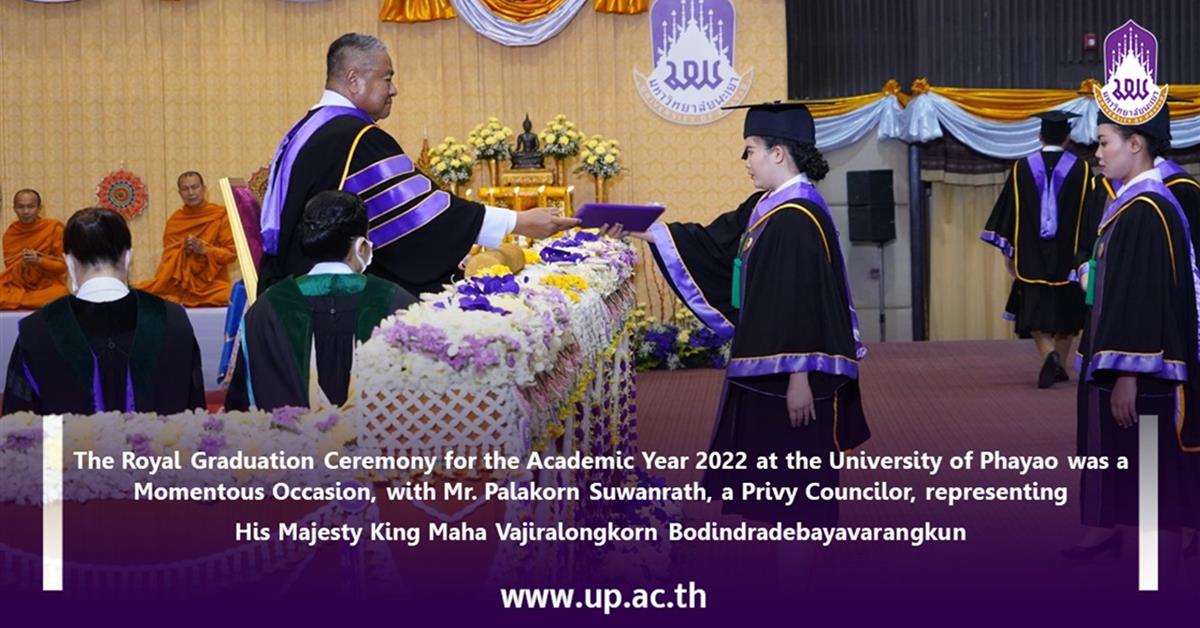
(197, 250)
(34, 272)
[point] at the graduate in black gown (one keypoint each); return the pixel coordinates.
(106, 347)
(771, 276)
(1036, 224)
(1139, 351)
(420, 232)
(298, 339)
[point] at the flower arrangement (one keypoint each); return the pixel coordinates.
(451, 162)
(560, 138)
(490, 140)
(679, 343)
(600, 157)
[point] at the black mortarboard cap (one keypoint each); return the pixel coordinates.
(789, 120)
(1158, 127)
(1056, 122)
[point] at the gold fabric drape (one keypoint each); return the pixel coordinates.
(411, 11)
(1007, 105)
(627, 7)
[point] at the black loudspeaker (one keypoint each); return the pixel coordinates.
(872, 207)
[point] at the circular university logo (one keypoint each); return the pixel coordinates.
(692, 45)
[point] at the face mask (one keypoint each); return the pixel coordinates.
(358, 256)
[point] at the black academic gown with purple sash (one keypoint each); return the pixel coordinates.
(1036, 222)
(794, 313)
(1143, 321)
(420, 232)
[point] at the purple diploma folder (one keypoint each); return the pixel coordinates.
(632, 217)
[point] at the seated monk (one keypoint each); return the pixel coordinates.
(197, 250)
(34, 273)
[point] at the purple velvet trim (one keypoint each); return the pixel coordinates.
(410, 220)
(1076, 274)
(98, 389)
(1169, 168)
(397, 195)
(29, 378)
(377, 173)
(771, 200)
(281, 168)
(1048, 192)
(794, 363)
(679, 276)
(992, 238)
(806, 191)
(1009, 316)
(1135, 363)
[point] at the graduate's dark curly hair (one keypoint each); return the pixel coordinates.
(332, 221)
(1157, 147)
(807, 158)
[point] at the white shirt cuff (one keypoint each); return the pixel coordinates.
(497, 223)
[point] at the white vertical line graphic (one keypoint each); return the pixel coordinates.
(52, 506)
(1148, 503)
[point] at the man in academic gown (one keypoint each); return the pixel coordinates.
(197, 250)
(107, 348)
(1139, 351)
(771, 276)
(298, 339)
(34, 273)
(420, 233)
(1036, 224)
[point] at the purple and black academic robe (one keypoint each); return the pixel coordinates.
(315, 319)
(420, 233)
(788, 310)
(1143, 321)
(135, 354)
(1036, 222)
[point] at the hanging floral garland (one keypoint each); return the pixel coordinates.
(123, 192)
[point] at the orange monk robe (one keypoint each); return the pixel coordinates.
(195, 280)
(30, 286)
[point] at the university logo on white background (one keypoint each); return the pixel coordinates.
(1130, 94)
(692, 45)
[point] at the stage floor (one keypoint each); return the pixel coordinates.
(942, 398)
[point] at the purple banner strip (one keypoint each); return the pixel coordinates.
(682, 280)
(377, 173)
(410, 220)
(397, 195)
(794, 363)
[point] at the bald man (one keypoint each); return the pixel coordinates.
(35, 273)
(419, 232)
(197, 250)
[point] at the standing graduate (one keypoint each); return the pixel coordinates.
(770, 275)
(1139, 350)
(1036, 225)
(106, 347)
(420, 233)
(298, 339)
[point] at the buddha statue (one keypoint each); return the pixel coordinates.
(527, 154)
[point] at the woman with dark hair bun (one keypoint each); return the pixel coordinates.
(770, 275)
(298, 339)
(105, 347)
(1140, 355)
